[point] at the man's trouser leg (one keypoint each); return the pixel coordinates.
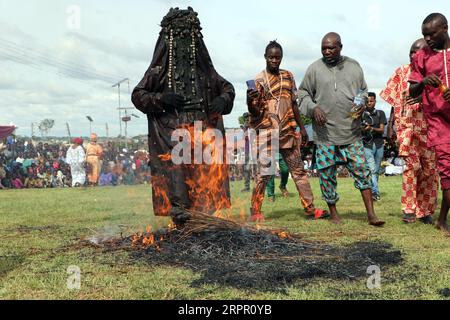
(360, 174)
(427, 183)
(293, 159)
(328, 184)
(284, 173)
(271, 187)
(261, 181)
(409, 184)
(378, 157)
(370, 161)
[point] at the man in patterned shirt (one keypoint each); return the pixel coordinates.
(273, 107)
(420, 180)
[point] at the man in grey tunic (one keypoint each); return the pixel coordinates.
(326, 95)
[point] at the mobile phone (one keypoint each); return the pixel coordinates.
(251, 84)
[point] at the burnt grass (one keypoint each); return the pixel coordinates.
(261, 260)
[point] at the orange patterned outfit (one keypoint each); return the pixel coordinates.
(94, 152)
(277, 96)
(420, 178)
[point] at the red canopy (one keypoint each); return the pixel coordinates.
(6, 131)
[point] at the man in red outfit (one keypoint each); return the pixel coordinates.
(430, 78)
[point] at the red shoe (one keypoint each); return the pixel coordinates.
(257, 217)
(284, 192)
(317, 213)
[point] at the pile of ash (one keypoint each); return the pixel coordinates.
(263, 260)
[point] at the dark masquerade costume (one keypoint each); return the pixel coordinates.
(181, 86)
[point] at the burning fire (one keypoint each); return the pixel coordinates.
(208, 181)
(147, 240)
(161, 202)
(207, 190)
(283, 235)
(165, 157)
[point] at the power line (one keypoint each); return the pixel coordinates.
(29, 57)
(52, 59)
(21, 57)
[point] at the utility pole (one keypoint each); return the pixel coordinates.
(118, 91)
(32, 130)
(90, 124)
(68, 131)
(125, 119)
(107, 130)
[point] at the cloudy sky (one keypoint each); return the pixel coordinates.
(59, 59)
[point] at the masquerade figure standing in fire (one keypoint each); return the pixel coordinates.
(179, 88)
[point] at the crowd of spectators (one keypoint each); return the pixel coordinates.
(25, 163)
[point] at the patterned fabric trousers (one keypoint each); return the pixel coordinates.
(420, 181)
(352, 156)
(293, 159)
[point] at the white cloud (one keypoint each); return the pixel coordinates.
(51, 70)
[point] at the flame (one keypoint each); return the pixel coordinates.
(283, 235)
(207, 183)
(134, 240)
(165, 157)
(161, 202)
(171, 226)
(149, 240)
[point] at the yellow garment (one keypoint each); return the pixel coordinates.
(94, 153)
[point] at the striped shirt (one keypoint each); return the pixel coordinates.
(278, 95)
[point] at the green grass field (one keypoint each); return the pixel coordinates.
(40, 231)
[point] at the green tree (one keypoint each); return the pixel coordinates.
(45, 126)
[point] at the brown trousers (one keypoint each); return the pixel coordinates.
(293, 159)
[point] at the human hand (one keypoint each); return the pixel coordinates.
(218, 105)
(305, 137)
(432, 80)
(172, 101)
(412, 101)
(391, 135)
(446, 95)
(252, 95)
(319, 116)
(359, 111)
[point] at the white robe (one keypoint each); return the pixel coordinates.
(75, 158)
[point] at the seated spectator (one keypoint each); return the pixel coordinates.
(2, 175)
(16, 182)
(128, 178)
(393, 165)
(106, 177)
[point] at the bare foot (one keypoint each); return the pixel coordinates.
(443, 227)
(374, 221)
(335, 220)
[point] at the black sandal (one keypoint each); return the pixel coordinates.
(409, 218)
(426, 220)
